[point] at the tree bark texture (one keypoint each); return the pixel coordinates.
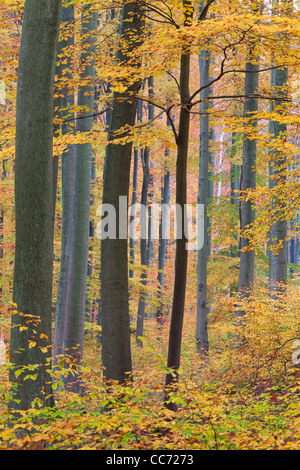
(277, 172)
(203, 186)
(79, 217)
(32, 290)
(68, 192)
(116, 351)
(162, 248)
(181, 254)
(248, 182)
(145, 248)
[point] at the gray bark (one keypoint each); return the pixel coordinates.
(203, 254)
(162, 248)
(234, 185)
(248, 182)
(277, 168)
(74, 315)
(67, 177)
(32, 290)
(145, 249)
(116, 352)
(134, 195)
(211, 185)
(132, 216)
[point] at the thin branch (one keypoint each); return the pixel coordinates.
(203, 13)
(222, 73)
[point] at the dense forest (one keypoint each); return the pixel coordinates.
(149, 225)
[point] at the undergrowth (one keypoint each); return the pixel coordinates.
(230, 400)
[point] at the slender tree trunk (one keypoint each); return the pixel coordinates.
(248, 182)
(2, 213)
(116, 352)
(162, 248)
(32, 290)
(211, 185)
(277, 173)
(181, 256)
(73, 335)
(234, 180)
(234, 199)
(132, 215)
(145, 248)
(150, 246)
(139, 112)
(67, 177)
(89, 299)
(203, 253)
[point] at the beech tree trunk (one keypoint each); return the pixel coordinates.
(79, 217)
(277, 173)
(203, 186)
(248, 182)
(162, 248)
(145, 248)
(116, 352)
(67, 181)
(32, 290)
(181, 256)
(132, 216)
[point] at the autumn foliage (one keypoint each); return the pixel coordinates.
(232, 399)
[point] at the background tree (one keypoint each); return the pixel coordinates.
(278, 175)
(203, 193)
(79, 217)
(67, 175)
(248, 180)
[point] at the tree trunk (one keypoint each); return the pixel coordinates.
(74, 314)
(203, 253)
(162, 248)
(248, 182)
(211, 185)
(67, 177)
(116, 352)
(277, 173)
(32, 290)
(234, 200)
(181, 256)
(132, 215)
(145, 248)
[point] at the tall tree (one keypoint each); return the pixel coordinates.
(162, 248)
(248, 182)
(277, 172)
(32, 290)
(79, 218)
(116, 352)
(67, 181)
(145, 248)
(134, 196)
(181, 256)
(277, 178)
(203, 253)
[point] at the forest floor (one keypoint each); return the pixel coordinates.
(230, 401)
